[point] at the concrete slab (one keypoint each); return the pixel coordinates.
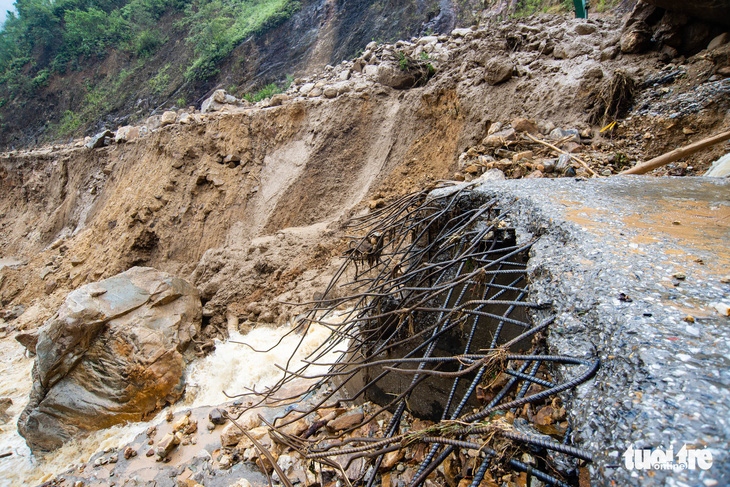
(634, 267)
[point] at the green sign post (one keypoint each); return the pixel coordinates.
(580, 9)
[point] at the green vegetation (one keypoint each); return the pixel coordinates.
(53, 37)
(268, 91)
(216, 27)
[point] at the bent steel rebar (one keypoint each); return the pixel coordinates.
(431, 318)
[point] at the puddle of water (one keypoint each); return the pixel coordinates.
(231, 367)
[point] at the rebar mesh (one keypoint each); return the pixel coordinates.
(437, 323)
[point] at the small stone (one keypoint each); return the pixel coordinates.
(725, 280)
(181, 423)
(528, 154)
(191, 428)
(680, 276)
(231, 159)
(524, 125)
(606, 172)
(689, 319)
(113, 458)
(150, 452)
(167, 444)
(129, 452)
(216, 417)
(390, 459)
(458, 176)
(151, 431)
(378, 203)
(169, 416)
(78, 483)
(346, 421)
(534, 175)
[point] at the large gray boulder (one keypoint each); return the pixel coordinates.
(115, 351)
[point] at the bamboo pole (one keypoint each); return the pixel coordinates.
(677, 154)
(580, 161)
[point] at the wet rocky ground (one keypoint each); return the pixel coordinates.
(637, 270)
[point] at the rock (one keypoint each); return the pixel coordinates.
(715, 11)
(126, 133)
(610, 53)
(636, 38)
(29, 339)
(217, 101)
(129, 452)
(112, 358)
(153, 122)
(346, 421)
(558, 134)
(427, 40)
(267, 317)
(524, 125)
(667, 53)
(232, 434)
(493, 174)
(593, 72)
(278, 100)
(528, 154)
(498, 139)
(461, 32)
(330, 92)
(585, 29)
(572, 50)
(167, 444)
(181, 424)
(216, 417)
(390, 74)
(306, 88)
(563, 163)
(391, 459)
(534, 175)
(185, 118)
(100, 140)
(719, 41)
(168, 118)
(548, 165)
(498, 70)
(231, 160)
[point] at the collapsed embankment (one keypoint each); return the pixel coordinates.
(172, 199)
(249, 202)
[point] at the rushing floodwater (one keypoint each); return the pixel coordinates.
(232, 367)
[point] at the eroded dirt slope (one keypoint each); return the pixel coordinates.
(263, 231)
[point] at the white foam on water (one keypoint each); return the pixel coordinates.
(232, 367)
